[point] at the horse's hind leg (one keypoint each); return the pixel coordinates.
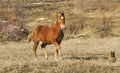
(43, 45)
(34, 49)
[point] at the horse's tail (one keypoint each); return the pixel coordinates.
(30, 37)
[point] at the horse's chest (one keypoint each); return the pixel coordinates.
(60, 37)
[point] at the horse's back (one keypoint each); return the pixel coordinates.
(43, 33)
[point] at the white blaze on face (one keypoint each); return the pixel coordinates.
(61, 17)
(62, 25)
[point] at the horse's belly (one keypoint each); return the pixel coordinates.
(45, 41)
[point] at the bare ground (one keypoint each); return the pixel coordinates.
(79, 56)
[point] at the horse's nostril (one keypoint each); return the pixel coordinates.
(62, 26)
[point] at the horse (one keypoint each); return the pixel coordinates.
(49, 35)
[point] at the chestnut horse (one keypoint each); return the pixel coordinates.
(49, 35)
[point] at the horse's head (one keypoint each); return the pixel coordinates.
(61, 19)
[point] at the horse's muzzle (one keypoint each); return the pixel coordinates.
(62, 27)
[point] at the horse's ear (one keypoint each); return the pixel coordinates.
(62, 12)
(57, 14)
(111, 52)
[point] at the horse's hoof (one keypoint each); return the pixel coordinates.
(35, 60)
(46, 58)
(56, 59)
(60, 58)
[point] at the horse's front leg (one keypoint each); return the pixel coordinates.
(45, 52)
(58, 50)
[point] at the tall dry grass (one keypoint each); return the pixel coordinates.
(82, 16)
(95, 17)
(84, 56)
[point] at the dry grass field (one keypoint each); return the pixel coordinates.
(79, 56)
(92, 32)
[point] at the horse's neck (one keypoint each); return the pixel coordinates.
(57, 25)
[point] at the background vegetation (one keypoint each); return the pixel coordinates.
(86, 18)
(92, 32)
